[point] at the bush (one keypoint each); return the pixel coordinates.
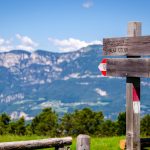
(108, 128)
(145, 125)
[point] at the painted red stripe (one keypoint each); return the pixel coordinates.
(136, 93)
(104, 60)
(104, 73)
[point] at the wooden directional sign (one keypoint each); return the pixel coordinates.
(127, 46)
(126, 67)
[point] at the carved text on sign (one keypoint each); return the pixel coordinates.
(117, 50)
(127, 46)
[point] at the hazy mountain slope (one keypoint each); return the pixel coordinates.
(64, 81)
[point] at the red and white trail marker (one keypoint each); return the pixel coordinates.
(103, 66)
(136, 100)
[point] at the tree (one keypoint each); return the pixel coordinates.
(45, 123)
(121, 123)
(5, 118)
(18, 127)
(145, 125)
(108, 128)
(20, 130)
(28, 129)
(87, 121)
(4, 123)
(83, 121)
(66, 126)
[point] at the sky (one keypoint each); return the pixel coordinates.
(67, 25)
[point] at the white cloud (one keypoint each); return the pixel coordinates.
(5, 45)
(101, 92)
(87, 4)
(16, 115)
(84, 76)
(70, 44)
(2, 41)
(145, 83)
(73, 75)
(83, 83)
(6, 48)
(26, 43)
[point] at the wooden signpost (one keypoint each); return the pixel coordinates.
(133, 67)
(126, 67)
(127, 46)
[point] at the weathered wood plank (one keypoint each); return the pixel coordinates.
(83, 142)
(133, 99)
(127, 46)
(128, 67)
(36, 144)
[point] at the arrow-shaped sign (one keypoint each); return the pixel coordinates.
(125, 67)
(102, 67)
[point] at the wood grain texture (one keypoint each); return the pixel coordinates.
(128, 67)
(83, 142)
(127, 46)
(132, 86)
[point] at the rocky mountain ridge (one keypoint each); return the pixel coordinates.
(30, 82)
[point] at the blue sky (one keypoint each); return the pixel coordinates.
(66, 25)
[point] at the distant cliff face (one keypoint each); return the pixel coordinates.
(30, 82)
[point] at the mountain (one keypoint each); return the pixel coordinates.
(30, 82)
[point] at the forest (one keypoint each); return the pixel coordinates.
(85, 121)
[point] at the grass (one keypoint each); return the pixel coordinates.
(108, 143)
(9, 138)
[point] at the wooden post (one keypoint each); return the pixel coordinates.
(83, 142)
(133, 99)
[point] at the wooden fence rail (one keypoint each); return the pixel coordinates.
(144, 144)
(58, 143)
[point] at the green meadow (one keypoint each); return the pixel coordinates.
(107, 143)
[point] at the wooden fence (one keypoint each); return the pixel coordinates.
(144, 144)
(57, 143)
(83, 143)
